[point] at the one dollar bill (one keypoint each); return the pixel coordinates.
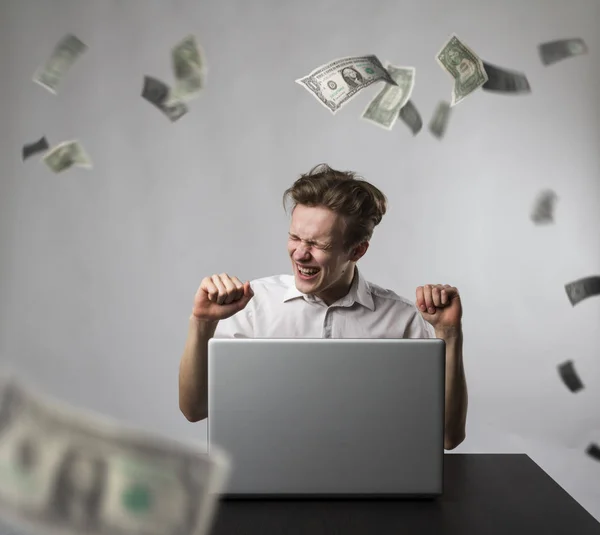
(157, 93)
(464, 66)
(410, 116)
(543, 208)
(41, 145)
(584, 288)
(384, 109)
(554, 51)
(68, 472)
(440, 118)
(189, 67)
(504, 80)
(336, 82)
(569, 376)
(66, 155)
(66, 52)
(593, 450)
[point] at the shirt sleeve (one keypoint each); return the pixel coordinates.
(240, 325)
(417, 327)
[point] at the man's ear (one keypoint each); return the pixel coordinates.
(358, 252)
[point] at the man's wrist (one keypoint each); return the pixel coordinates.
(202, 325)
(449, 334)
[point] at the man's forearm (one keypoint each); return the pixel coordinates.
(455, 418)
(193, 371)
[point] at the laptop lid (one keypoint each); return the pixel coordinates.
(330, 417)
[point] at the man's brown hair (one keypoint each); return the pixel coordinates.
(361, 204)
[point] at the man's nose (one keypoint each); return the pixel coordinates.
(301, 252)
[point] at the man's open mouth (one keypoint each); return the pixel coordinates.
(307, 273)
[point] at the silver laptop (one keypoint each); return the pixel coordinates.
(328, 417)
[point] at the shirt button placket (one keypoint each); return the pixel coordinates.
(327, 325)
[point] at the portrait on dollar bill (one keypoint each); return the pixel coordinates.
(465, 68)
(79, 488)
(352, 77)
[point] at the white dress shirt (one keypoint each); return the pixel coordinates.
(279, 310)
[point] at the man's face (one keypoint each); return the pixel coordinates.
(316, 241)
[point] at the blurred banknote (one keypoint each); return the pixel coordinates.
(33, 148)
(336, 82)
(543, 209)
(583, 288)
(464, 66)
(439, 121)
(593, 450)
(65, 155)
(384, 109)
(189, 66)
(411, 117)
(554, 51)
(156, 92)
(505, 81)
(64, 55)
(72, 472)
(569, 376)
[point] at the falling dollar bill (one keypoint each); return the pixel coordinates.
(336, 82)
(411, 117)
(554, 51)
(384, 109)
(64, 55)
(543, 209)
(69, 472)
(65, 155)
(569, 376)
(583, 288)
(505, 81)
(464, 66)
(33, 148)
(189, 66)
(156, 92)
(593, 450)
(439, 121)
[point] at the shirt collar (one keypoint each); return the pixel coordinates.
(360, 293)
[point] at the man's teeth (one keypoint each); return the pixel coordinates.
(308, 271)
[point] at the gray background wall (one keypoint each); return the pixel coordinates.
(99, 268)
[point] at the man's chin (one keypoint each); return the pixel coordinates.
(306, 287)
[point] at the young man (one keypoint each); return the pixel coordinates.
(333, 217)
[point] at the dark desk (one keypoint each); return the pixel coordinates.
(484, 494)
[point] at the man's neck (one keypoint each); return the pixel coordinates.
(342, 288)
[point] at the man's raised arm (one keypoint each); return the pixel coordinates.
(218, 297)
